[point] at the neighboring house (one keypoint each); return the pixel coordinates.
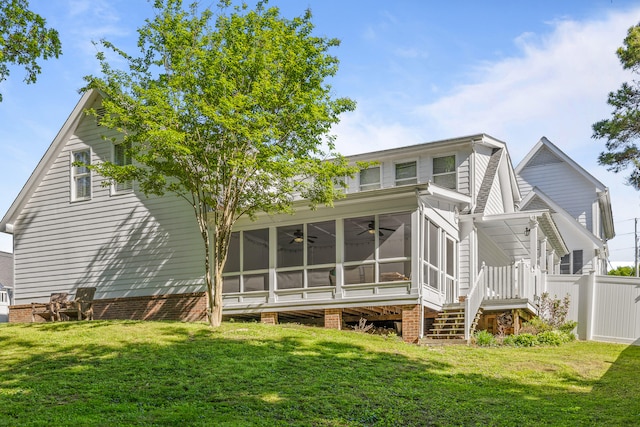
(578, 202)
(6, 284)
(432, 229)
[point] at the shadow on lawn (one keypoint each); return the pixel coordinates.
(620, 384)
(196, 376)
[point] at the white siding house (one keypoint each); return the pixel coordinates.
(579, 204)
(430, 227)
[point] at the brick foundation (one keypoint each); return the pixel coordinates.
(333, 318)
(186, 307)
(269, 318)
(411, 323)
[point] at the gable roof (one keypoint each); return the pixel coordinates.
(544, 143)
(6, 224)
(547, 149)
(537, 194)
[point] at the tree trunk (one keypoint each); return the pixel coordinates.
(215, 303)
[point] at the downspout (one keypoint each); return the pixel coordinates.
(416, 236)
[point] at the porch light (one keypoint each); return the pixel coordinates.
(527, 230)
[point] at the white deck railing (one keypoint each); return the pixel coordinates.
(517, 281)
(474, 300)
(512, 281)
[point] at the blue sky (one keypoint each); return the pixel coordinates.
(419, 70)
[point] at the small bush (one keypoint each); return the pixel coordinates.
(525, 340)
(535, 326)
(551, 338)
(484, 339)
(568, 326)
(509, 340)
(553, 311)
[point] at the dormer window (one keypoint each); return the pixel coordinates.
(444, 171)
(370, 178)
(406, 173)
(80, 175)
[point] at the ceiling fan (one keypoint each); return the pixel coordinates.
(298, 237)
(371, 229)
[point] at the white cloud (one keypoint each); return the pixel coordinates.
(361, 132)
(557, 87)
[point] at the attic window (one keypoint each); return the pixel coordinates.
(370, 178)
(80, 175)
(406, 173)
(444, 171)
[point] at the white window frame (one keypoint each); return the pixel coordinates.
(77, 175)
(454, 173)
(372, 185)
(405, 181)
(375, 262)
(118, 188)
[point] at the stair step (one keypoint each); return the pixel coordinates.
(450, 325)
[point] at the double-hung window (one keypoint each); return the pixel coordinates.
(406, 173)
(122, 157)
(572, 263)
(370, 178)
(80, 175)
(444, 171)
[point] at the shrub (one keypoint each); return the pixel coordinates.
(509, 340)
(525, 340)
(551, 338)
(553, 311)
(568, 326)
(484, 339)
(535, 326)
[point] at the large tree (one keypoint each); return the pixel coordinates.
(24, 38)
(229, 110)
(622, 130)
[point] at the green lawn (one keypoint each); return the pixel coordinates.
(169, 373)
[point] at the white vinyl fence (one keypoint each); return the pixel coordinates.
(607, 308)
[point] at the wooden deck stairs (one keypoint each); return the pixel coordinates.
(449, 325)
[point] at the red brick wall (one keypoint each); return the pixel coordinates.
(269, 318)
(411, 323)
(186, 307)
(22, 314)
(333, 318)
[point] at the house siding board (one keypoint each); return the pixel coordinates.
(489, 253)
(464, 182)
(523, 185)
(464, 250)
(495, 203)
(566, 186)
(537, 204)
(124, 245)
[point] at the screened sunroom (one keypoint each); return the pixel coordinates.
(384, 257)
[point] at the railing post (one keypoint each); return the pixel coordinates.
(516, 276)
